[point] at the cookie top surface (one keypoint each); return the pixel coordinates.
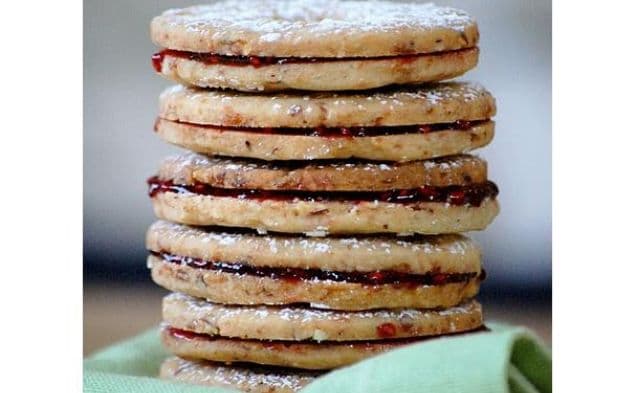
(325, 28)
(302, 323)
(193, 168)
(411, 254)
(427, 104)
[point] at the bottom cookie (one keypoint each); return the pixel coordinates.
(246, 379)
(294, 354)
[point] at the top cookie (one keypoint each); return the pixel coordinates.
(314, 28)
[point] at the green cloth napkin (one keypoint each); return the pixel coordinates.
(505, 359)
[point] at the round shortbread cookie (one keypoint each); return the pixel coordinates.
(245, 379)
(428, 104)
(413, 254)
(230, 288)
(317, 75)
(318, 218)
(304, 355)
(190, 169)
(239, 142)
(301, 323)
(300, 28)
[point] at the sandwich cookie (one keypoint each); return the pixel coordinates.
(310, 354)
(444, 195)
(252, 379)
(317, 45)
(345, 273)
(402, 124)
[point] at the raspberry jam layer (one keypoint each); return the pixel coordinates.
(473, 194)
(381, 277)
(260, 61)
(187, 335)
(348, 132)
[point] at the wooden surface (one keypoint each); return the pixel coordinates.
(113, 313)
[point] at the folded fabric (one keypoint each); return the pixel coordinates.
(504, 359)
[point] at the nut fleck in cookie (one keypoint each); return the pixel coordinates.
(294, 323)
(252, 379)
(313, 45)
(318, 200)
(335, 273)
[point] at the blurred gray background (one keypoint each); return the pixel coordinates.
(120, 150)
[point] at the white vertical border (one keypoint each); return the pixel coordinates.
(594, 171)
(41, 195)
(594, 167)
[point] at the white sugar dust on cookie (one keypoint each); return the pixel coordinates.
(429, 104)
(297, 323)
(191, 169)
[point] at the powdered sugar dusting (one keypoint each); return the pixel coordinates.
(202, 308)
(432, 94)
(410, 105)
(270, 21)
(205, 315)
(367, 253)
(425, 104)
(319, 16)
(189, 168)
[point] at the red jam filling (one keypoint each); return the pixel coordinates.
(279, 344)
(386, 330)
(472, 194)
(260, 61)
(349, 132)
(380, 277)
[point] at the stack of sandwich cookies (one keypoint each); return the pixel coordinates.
(308, 230)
